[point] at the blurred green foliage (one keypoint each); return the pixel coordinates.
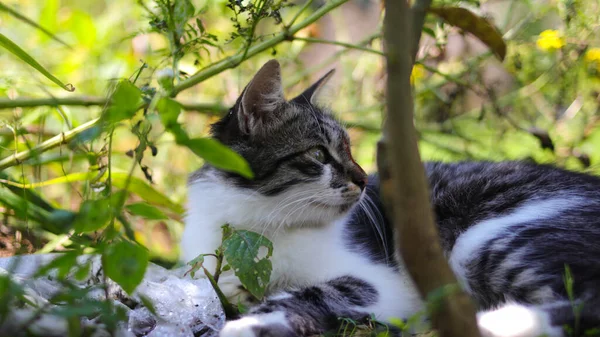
(106, 171)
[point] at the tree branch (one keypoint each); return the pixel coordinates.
(338, 43)
(28, 102)
(418, 13)
(88, 101)
(404, 185)
(235, 60)
(62, 138)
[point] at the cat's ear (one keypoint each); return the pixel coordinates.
(260, 98)
(311, 94)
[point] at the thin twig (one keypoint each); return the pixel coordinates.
(235, 60)
(338, 43)
(418, 13)
(88, 101)
(298, 13)
(62, 138)
(29, 102)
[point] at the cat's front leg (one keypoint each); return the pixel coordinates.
(232, 288)
(308, 311)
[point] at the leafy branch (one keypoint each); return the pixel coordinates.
(241, 250)
(233, 61)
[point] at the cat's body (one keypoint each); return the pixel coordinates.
(508, 229)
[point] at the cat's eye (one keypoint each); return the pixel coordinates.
(317, 154)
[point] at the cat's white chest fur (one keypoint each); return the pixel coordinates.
(301, 256)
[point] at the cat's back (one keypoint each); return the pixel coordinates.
(468, 193)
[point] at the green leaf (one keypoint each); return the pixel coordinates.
(119, 180)
(62, 218)
(429, 31)
(476, 25)
(145, 191)
(82, 25)
(82, 272)
(183, 11)
(241, 250)
(125, 101)
(93, 215)
(195, 264)
(169, 111)
(125, 263)
(147, 302)
(219, 155)
(147, 211)
(26, 193)
(63, 264)
(20, 53)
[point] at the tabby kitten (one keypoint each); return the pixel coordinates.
(508, 229)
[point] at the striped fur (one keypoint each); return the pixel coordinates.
(508, 229)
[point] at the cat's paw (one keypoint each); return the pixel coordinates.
(234, 291)
(514, 320)
(264, 325)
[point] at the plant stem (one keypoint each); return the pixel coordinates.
(230, 310)
(28, 102)
(62, 138)
(418, 13)
(338, 43)
(297, 15)
(219, 258)
(235, 60)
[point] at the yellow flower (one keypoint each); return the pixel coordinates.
(550, 40)
(418, 72)
(592, 55)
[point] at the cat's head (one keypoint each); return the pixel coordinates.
(299, 153)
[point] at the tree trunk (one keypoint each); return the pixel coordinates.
(404, 184)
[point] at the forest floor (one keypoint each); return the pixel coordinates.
(15, 242)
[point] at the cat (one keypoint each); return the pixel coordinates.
(508, 229)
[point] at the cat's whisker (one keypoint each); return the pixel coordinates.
(375, 221)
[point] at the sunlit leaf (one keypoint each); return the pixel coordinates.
(125, 263)
(20, 53)
(84, 28)
(147, 211)
(48, 17)
(169, 111)
(93, 215)
(476, 25)
(241, 250)
(145, 191)
(26, 193)
(219, 155)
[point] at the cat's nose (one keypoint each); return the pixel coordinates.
(359, 179)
